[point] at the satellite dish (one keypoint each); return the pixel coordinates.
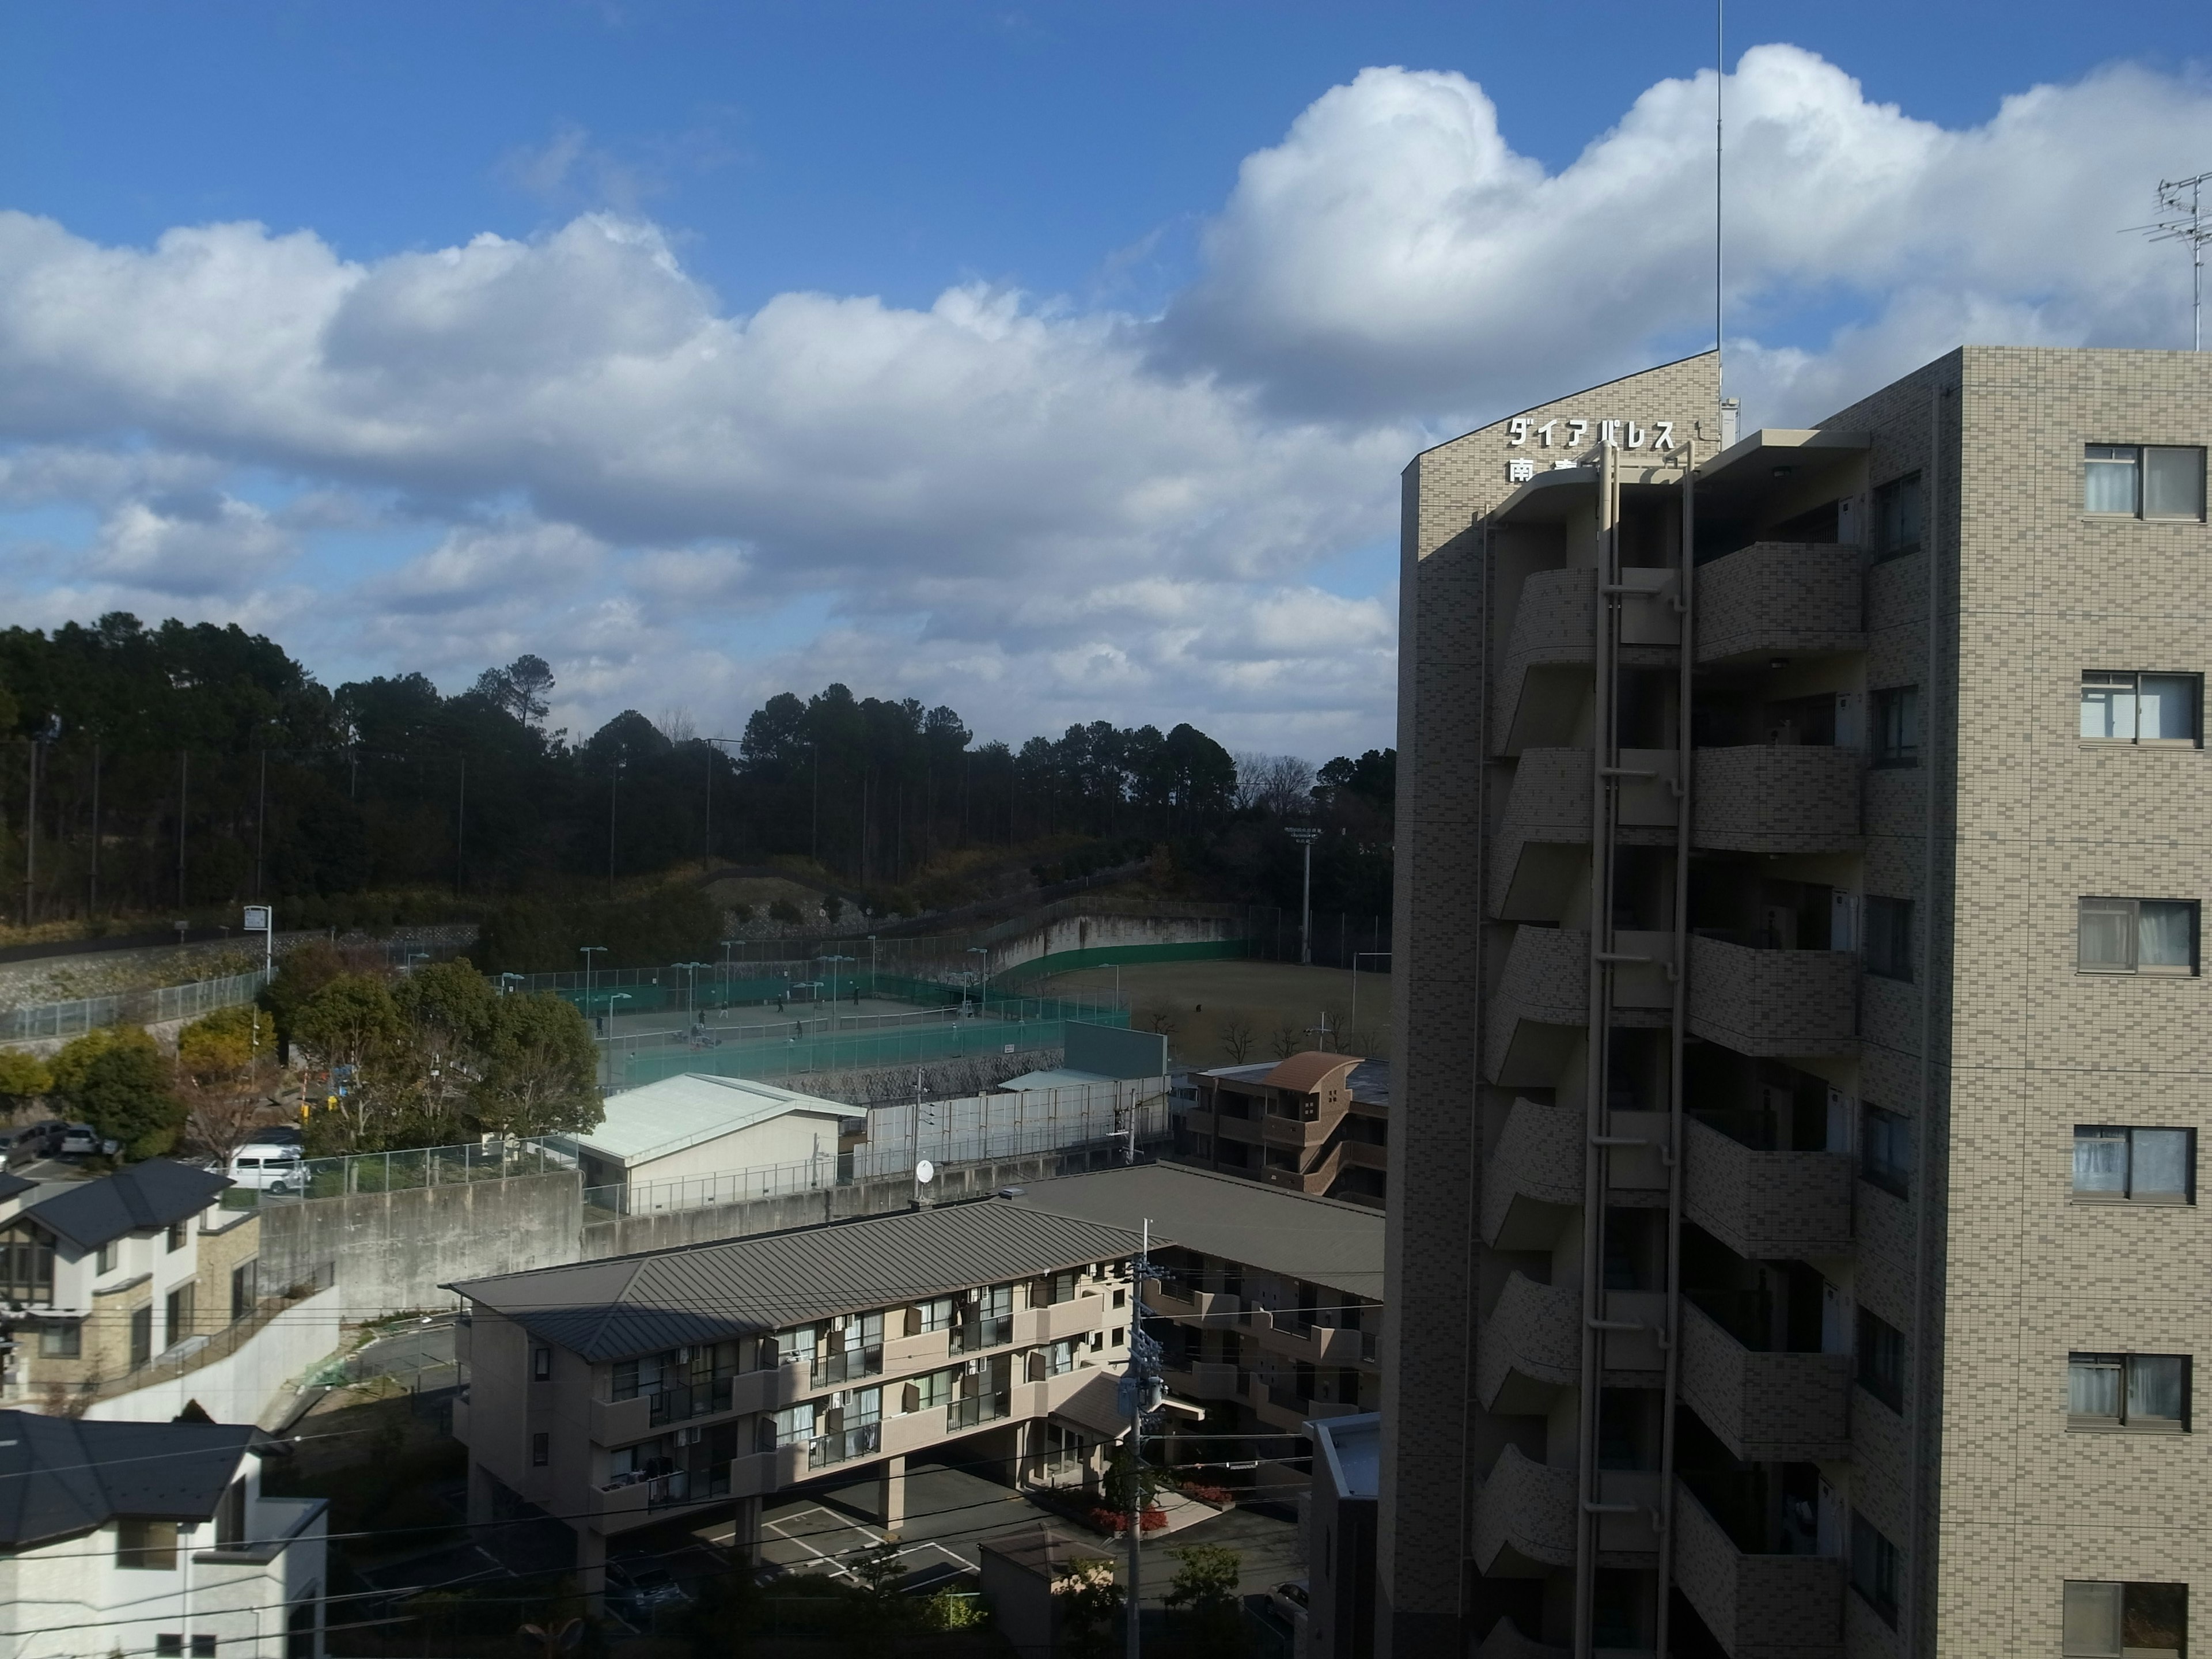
(925, 1172)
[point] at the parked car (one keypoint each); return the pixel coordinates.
(268, 1166)
(36, 1140)
(80, 1140)
(637, 1589)
(1289, 1599)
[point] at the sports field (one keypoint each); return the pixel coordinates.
(1208, 1005)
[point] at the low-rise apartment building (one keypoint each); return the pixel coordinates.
(103, 1277)
(1268, 1309)
(1317, 1123)
(618, 1394)
(152, 1538)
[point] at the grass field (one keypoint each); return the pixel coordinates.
(1206, 1005)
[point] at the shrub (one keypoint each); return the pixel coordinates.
(22, 1076)
(116, 1080)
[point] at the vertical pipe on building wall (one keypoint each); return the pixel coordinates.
(1606, 633)
(1473, 1263)
(1923, 1452)
(1684, 759)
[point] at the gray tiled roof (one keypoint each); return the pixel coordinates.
(60, 1476)
(641, 1305)
(1324, 1241)
(139, 1200)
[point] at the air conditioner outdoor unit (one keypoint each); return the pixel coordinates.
(688, 1437)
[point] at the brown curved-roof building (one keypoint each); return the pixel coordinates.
(1317, 1122)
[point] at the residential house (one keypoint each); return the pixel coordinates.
(1317, 1123)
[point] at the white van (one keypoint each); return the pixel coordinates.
(269, 1166)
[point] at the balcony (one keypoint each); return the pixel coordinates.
(1078, 1315)
(1766, 1407)
(1777, 798)
(1757, 1606)
(1507, 1641)
(1547, 823)
(619, 1422)
(759, 1472)
(825, 1450)
(848, 1365)
(1533, 1177)
(1779, 599)
(1773, 1003)
(1541, 1007)
(978, 1409)
(1530, 1347)
(1207, 1379)
(1764, 1205)
(1524, 1518)
(1555, 628)
(976, 1334)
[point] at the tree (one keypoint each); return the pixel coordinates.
(540, 1070)
(1236, 1035)
(351, 1023)
(22, 1076)
(1090, 1606)
(221, 1046)
(120, 1085)
(1206, 1592)
(1288, 1039)
(300, 972)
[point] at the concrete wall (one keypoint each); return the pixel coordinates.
(394, 1249)
(1066, 936)
(242, 1385)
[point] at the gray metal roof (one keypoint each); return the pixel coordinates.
(1320, 1240)
(662, 1118)
(60, 1476)
(641, 1305)
(139, 1200)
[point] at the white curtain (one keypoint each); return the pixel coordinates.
(2155, 1388)
(2092, 1386)
(2161, 1161)
(2103, 933)
(2164, 934)
(2101, 1161)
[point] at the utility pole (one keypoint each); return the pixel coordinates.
(1141, 1392)
(261, 820)
(184, 783)
(92, 892)
(460, 827)
(614, 787)
(586, 951)
(1306, 838)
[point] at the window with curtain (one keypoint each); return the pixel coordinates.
(2143, 481)
(2127, 1390)
(2116, 1162)
(2137, 936)
(2101, 1619)
(2128, 706)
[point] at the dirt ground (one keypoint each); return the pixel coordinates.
(1207, 1004)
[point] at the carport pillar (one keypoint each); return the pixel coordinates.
(482, 1495)
(890, 1492)
(592, 1566)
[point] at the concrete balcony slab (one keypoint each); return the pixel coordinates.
(1777, 798)
(1758, 1607)
(1773, 1003)
(1766, 1407)
(1766, 1206)
(1780, 599)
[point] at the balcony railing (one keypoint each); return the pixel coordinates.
(844, 1446)
(1777, 798)
(1773, 1003)
(847, 1364)
(1786, 598)
(1765, 1407)
(976, 1409)
(1755, 1604)
(977, 1333)
(1764, 1205)
(1530, 1346)
(681, 1402)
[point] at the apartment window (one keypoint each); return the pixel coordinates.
(1897, 725)
(169, 1643)
(2138, 936)
(936, 1313)
(2125, 706)
(146, 1546)
(2105, 1620)
(1897, 517)
(1052, 1289)
(2143, 481)
(142, 1336)
(230, 1517)
(61, 1341)
(2128, 1391)
(204, 1647)
(1885, 1149)
(1881, 1360)
(2115, 1164)
(1889, 938)
(177, 1230)
(541, 1450)
(1874, 1567)
(541, 1364)
(105, 1261)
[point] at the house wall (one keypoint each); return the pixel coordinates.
(789, 1138)
(250, 1384)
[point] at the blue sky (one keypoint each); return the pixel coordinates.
(621, 332)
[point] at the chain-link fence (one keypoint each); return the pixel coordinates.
(420, 1166)
(147, 1007)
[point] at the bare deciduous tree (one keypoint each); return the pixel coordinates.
(1288, 1039)
(676, 724)
(1280, 784)
(1236, 1035)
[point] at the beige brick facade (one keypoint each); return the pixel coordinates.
(1987, 1265)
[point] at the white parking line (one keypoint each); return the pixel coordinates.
(829, 1561)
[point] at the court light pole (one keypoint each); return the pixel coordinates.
(1357, 957)
(1306, 838)
(833, 961)
(586, 951)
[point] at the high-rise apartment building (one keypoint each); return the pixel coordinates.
(1801, 1043)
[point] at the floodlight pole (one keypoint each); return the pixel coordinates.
(833, 961)
(1306, 838)
(1357, 957)
(586, 951)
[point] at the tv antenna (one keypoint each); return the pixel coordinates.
(2181, 219)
